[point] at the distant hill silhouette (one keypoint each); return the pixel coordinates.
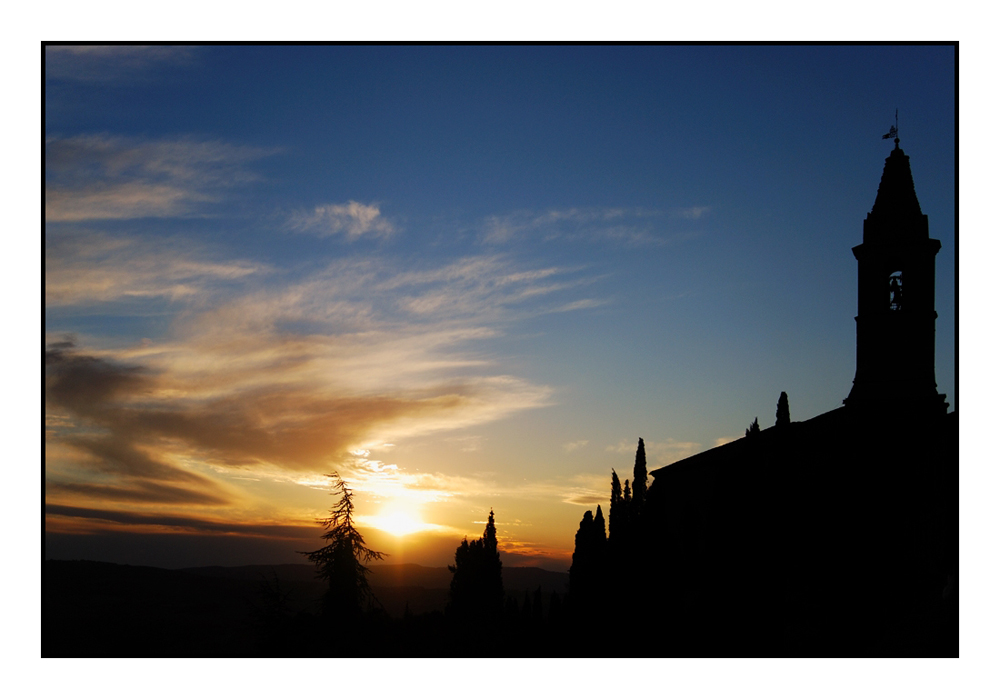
(97, 609)
(392, 575)
(93, 609)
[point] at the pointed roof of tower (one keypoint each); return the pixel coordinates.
(896, 196)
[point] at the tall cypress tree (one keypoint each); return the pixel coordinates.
(600, 534)
(626, 537)
(782, 414)
(616, 517)
(581, 572)
(476, 593)
(494, 566)
(639, 478)
(490, 536)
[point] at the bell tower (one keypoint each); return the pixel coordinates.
(896, 316)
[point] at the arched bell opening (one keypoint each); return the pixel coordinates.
(896, 291)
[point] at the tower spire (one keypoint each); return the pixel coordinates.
(896, 316)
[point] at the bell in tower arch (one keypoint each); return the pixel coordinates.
(896, 291)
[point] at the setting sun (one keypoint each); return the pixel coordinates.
(399, 522)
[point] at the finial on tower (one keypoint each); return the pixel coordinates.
(894, 131)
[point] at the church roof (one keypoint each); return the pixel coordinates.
(815, 430)
(896, 196)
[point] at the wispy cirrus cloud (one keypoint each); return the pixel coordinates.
(692, 213)
(628, 227)
(92, 267)
(103, 64)
(351, 221)
(281, 377)
(94, 177)
(95, 518)
(584, 490)
(242, 420)
(490, 284)
(658, 453)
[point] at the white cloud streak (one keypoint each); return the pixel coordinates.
(692, 213)
(351, 220)
(620, 226)
(88, 267)
(97, 177)
(657, 453)
(278, 377)
(104, 64)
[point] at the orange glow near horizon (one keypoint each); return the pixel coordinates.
(399, 520)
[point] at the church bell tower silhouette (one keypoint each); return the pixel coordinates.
(896, 316)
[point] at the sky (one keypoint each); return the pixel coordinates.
(463, 277)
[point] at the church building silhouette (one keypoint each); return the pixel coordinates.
(837, 535)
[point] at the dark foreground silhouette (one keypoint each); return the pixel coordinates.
(832, 537)
(95, 609)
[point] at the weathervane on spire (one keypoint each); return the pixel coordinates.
(894, 130)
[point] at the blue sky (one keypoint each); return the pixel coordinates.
(464, 277)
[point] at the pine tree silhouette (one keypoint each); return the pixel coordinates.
(342, 561)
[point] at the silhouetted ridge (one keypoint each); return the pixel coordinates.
(896, 196)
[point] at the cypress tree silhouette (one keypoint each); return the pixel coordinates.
(624, 543)
(616, 517)
(476, 593)
(490, 537)
(754, 428)
(782, 414)
(589, 597)
(639, 480)
(341, 561)
(599, 536)
(581, 571)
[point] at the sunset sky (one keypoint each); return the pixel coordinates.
(464, 278)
